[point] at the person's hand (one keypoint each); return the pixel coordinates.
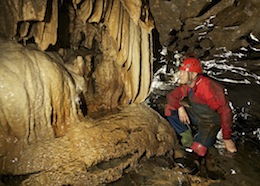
(183, 116)
(230, 146)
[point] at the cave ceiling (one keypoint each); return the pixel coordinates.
(107, 42)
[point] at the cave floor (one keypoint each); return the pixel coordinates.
(241, 169)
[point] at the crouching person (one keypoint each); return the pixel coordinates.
(199, 101)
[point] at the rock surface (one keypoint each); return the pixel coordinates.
(111, 40)
(45, 139)
(202, 27)
(94, 151)
(45, 136)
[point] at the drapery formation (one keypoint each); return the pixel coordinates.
(80, 57)
(118, 29)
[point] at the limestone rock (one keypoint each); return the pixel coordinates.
(184, 26)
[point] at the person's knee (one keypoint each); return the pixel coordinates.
(186, 138)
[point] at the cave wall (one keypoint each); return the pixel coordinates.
(102, 51)
(108, 41)
(204, 27)
(112, 40)
(36, 96)
(46, 140)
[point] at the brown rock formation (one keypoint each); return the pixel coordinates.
(115, 35)
(202, 27)
(92, 56)
(45, 136)
(36, 93)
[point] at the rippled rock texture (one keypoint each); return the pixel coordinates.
(95, 151)
(45, 136)
(109, 40)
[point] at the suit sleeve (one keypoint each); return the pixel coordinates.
(219, 103)
(173, 100)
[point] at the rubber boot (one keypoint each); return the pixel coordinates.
(186, 138)
(189, 162)
(198, 148)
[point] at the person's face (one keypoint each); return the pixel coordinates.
(183, 77)
(187, 77)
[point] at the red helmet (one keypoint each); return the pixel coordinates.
(191, 64)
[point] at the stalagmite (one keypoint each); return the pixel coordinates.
(44, 90)
(40, 116)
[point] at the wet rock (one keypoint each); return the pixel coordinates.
(46, 137)
(95, 151)
(35, 94)
(194, 22)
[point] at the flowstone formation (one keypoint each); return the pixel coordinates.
(111, 40)
(45, 136)
(96, 151)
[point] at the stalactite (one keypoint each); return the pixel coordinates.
(124, 44)
(97, 12)
(85, 10)
(145, 75)
(115, 25)
(134, 71)
(113, 21)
